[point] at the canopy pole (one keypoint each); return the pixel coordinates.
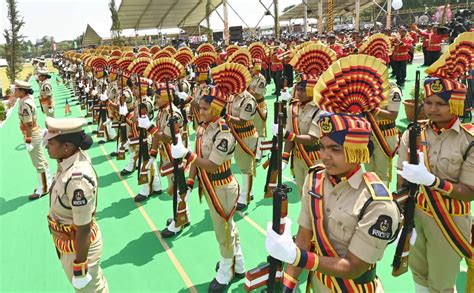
(320, 17)
(330, 2)
(277, 20)
(226, 23)
(389, 14)
(357, 15)
(305, 18)
(210, 38)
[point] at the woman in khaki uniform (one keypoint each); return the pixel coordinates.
(46, 93)
(445, 175)
(347, 213)
(32, 135)
(73, 203)
(215, 145)
(257, 88)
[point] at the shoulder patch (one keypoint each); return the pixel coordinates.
(469, 127)
(382, 228)
(223, 126)
(223, 145)
(78, 198)
(25, 112)
(377, 189)
(248, 108)
(396, 97)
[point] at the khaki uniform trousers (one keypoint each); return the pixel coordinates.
(227, 195)
(37, 154)
(300, 170)
(433, 261)
(45, 109)
(259, 123)
(98, 283)
(243, 160)
(379, 162)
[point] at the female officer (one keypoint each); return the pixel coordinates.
(445, 174)
(73, 202)
(32, 134)
(215, 146)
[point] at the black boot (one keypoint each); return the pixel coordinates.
(216, 287)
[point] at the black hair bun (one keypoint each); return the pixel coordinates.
(86, 142)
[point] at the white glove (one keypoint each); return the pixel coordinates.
(282, 246)
(29, 147)
(94, 92)
(108, 121)
(186, 197)
(150, 163)
(123, 110)
(192, 75)
(103, 97)
(77, 75)
(87, 90)
(285, 96)
(275, 129)
(417, 174)
(182, 95)
(81, 282)
(179, 150)
(144, 122)
(51, 110)
(80, 85)
(284, 164)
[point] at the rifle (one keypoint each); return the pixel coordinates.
(182, 109)
(180, 216)
(271, 271)
(121, 135)
(400, 259)
(272, 171)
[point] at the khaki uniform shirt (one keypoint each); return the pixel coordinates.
(217, 143)
(163, 117)
(445, 153)
(73, 198)
(366, 239)
(258, 84)
(27, 110)
(46, 89)
(243, 106)
(307, 118)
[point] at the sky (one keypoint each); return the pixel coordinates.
(67, 19)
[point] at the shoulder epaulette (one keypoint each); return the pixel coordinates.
(469, 127)
(223, 126)
(377, 189)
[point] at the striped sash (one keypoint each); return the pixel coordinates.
(310, 160)
(437, 205)
(380, 138)
(323, 245)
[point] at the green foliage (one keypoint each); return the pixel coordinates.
(422, 93)
(3, 111)
(14, 46)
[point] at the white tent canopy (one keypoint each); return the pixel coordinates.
(91, 37)
(163, 14)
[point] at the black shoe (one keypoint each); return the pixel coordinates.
(101, 141)
(236, 275)
(140, 197)
(157, 192)
(241, 206)
(125, 172)
(94, 132)
(113, 154)
(216, 287)
(165, 233)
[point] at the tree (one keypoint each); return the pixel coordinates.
(14, 41)
(115, 30)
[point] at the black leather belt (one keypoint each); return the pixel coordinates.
(220, 176)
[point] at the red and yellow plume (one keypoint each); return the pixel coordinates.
(313, 59)
(231, 49)
(143, 54)
(457, 60)
(138, 66)
(184, 57)
(241, 56)
(98, 65)
(354, 84)
(378, 46)
(162, 54)
(154, 49)
(257, 50)
(129, 54)
(143, 49)
(231, 78)
(171, 49)
(204, 60)
(123, 64)
(163, 69)
(116, 53)
(205, 48)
